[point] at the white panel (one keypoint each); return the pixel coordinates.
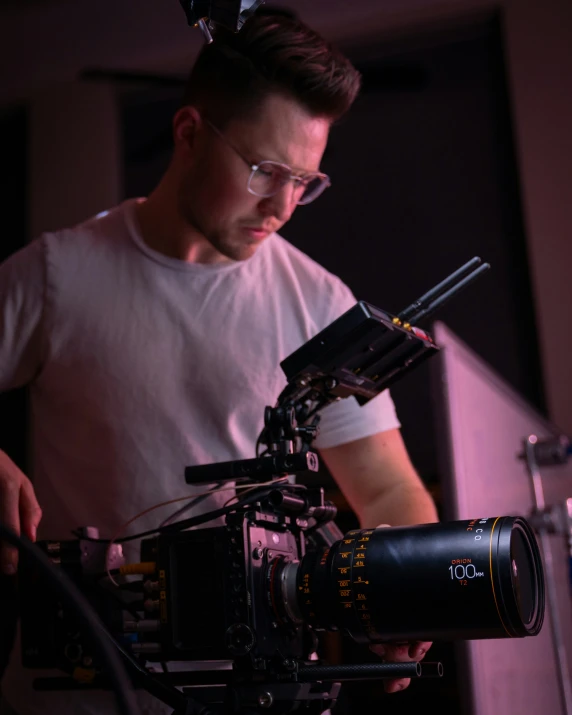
(486, 422)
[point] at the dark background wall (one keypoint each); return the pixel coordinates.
(13, 208)
(13, 405)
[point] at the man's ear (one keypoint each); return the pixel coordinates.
(186, 123)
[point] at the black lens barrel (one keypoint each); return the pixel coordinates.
(480, 578)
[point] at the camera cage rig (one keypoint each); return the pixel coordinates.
(360, 354)
(206, 14)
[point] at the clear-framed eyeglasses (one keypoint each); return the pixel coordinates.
(267, 178)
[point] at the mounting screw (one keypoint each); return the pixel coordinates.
(258, 553)
(239, 639)
(265, 700)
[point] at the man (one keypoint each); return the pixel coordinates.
(151, 337)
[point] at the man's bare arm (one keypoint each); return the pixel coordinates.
(381, 485)
(379, 481)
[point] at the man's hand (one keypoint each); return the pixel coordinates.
(402, 653)
(399, 653)
(19, 509)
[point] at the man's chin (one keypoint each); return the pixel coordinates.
(244, 253)
(237, 251)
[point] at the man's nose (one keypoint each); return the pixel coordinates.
(282, 204)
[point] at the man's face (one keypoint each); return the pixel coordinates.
(213, 196)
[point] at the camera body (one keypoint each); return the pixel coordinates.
(214, 594)
(218, 590)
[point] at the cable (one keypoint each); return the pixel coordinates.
(115, 538)
(208, 516)
(70, 594)
(159, 529)
(251, 489)
(187, 523)
(192, 503)
(202, 518)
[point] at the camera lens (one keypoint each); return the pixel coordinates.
(480, 578)
(518, 575)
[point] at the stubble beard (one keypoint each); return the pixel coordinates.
(234, 249)
(221, 240)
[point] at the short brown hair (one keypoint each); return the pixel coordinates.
(271, 53)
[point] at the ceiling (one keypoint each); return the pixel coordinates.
(46, 42)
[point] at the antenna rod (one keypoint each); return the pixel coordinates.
(420, 303)
(451, 292)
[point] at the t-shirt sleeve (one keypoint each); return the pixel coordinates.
(22, 290)
(345, 421)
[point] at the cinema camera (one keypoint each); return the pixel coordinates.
(256, 590)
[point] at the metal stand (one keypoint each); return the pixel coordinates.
(551, 519)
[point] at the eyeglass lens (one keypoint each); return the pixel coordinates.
(269, 178)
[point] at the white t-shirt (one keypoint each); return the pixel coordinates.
(140, 364)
